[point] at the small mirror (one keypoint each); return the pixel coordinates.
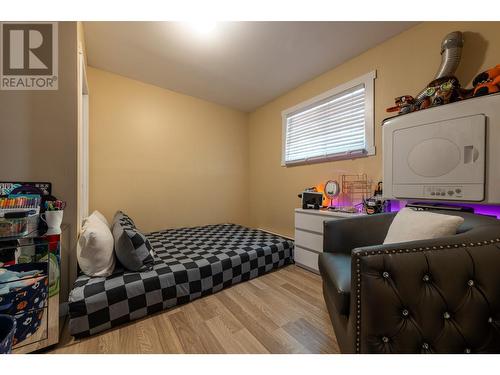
(332, 190)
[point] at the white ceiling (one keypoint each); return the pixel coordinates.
(242, 65)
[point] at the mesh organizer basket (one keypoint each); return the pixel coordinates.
(25, 222)
(26, 302)
(19, 214)
(7, 329)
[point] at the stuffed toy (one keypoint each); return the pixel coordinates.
(487, 82)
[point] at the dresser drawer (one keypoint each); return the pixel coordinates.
(26, 294)
(308, 240)
(310, 222)
(31, 327)
(306, 259)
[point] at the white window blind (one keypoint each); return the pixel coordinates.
(329, 126)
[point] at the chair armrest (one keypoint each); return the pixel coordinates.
(343, 235)
(431, 296)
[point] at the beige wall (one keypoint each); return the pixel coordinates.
(167, 159)
(152, 149)
(404, 64)
(38, 129)
(38, 135)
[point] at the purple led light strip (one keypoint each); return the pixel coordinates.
(481, 209)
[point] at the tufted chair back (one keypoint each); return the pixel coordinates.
(431, 296)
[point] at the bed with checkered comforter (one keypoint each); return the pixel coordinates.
(189, 263)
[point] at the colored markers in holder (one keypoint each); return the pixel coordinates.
(20, 202)
(55, 205)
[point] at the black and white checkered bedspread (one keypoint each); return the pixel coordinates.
(189, 263)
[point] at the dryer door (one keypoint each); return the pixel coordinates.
(440, 158)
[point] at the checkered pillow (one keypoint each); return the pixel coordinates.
(123, 218)
(132, 248)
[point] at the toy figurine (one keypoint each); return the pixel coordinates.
(487, 82)
(404, 104)
(422, 103)
(445, 88)
(441, 91)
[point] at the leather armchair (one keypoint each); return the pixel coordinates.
(430, 296)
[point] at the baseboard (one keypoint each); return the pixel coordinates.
(276, 234)
(307, 268)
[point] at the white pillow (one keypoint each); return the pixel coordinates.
(94, 250)
(96, 215)
(411, 225)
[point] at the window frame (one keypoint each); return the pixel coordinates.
(368, 80)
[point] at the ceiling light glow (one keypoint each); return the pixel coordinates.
(203, 26)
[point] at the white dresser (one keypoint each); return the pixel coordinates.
(309, 235)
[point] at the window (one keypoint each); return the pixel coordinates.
(337, 124)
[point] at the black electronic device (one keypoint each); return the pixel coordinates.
(311, 200)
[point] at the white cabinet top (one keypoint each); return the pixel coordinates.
(330, 213)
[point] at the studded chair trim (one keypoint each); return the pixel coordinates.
(415, 323)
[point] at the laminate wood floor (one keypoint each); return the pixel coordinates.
(280, 312)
